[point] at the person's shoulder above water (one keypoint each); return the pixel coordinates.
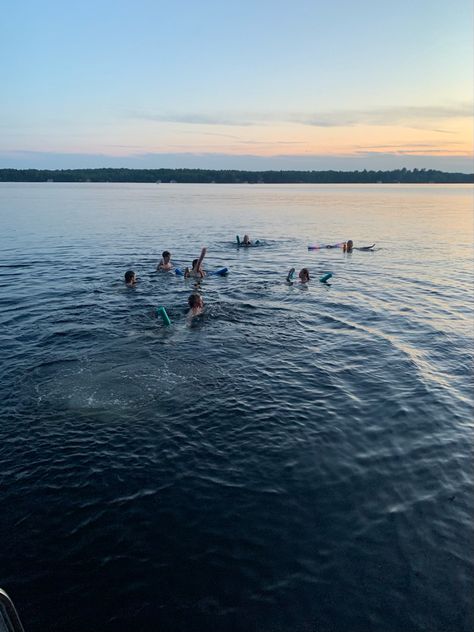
(165, 262)
(196, 304)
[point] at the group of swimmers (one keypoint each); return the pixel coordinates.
(195, 301)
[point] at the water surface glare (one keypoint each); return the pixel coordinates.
(298, 459)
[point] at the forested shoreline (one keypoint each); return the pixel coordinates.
(230, 176)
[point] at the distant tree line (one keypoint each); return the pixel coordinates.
(229, 176)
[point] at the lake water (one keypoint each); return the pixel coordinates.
(298, 459)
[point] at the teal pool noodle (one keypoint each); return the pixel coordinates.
(326, 277)
(238, 240)
(161, 311)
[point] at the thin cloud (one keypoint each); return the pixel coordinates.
(412, 116)
(404, 146)
(401, 115)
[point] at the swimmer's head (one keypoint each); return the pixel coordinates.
(130, 278)
(195, 301)
(350, 244)
(304, 275)
(166, 255)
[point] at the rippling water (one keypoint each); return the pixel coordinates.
(299, 459)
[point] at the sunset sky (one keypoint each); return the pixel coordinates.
(258, 84)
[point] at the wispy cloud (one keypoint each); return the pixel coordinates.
(400, 115)
(397, 115)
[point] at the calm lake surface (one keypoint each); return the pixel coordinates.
(297, 459)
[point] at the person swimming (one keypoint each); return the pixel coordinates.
(349, 247)
(165, 262)
(130, 278)
(303, 275)
(196, 269)
(246, 241)
(196, 304)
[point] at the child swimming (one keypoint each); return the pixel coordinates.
(349, 247)
(196, 304)
(303, 275)
(130, 278)
(165, 262)
(196, 270)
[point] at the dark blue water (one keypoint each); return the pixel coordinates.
(296, 459)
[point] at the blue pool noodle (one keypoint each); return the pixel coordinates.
(326, 277)
(220, 272)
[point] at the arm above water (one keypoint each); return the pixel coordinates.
(200, 260)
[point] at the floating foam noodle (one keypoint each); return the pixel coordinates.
(161, 311)
(220, 272)
(326, 277)
(328, 246)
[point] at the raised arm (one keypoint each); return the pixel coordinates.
(200, 260)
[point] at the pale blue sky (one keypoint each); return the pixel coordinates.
(259, 84)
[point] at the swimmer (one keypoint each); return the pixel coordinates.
(165, 263)
(130, 278)
(349, 247)
(246, 241)
(196, 304)
(196, 270)
(303, 275)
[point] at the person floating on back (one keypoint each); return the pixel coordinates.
(303, 275)
(165, 262)
(196, 270)
(130, 278)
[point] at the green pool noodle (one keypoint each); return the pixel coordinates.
(238, 240)
(161, 311)
(326, 277)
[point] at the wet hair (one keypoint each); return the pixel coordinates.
(304, 272)
(129, 275)
(350, 244)
(194, 300)
(165, 253)
(194, 262)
